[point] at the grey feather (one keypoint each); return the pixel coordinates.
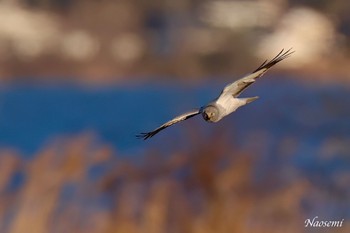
(237, 87)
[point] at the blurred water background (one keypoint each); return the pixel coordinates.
(78, 80)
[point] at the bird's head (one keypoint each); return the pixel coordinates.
(211, 114)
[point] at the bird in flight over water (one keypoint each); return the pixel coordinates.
(228, 100)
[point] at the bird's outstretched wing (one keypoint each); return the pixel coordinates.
(177, 119)
(237, 87)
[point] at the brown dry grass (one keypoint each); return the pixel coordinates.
(211, 189)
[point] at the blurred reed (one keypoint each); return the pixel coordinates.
(80, 185)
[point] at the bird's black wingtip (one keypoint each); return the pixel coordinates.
(283, 54)
(288, 52)
(144, 136)
(141, 136)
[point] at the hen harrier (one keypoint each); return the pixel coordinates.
(227, 102)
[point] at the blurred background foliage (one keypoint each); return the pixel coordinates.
(76, 81)
(74, 185)
(103, 41)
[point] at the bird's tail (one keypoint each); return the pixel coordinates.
(249, 99)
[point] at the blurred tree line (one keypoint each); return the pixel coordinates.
(110, 40)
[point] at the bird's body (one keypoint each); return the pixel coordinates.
(224, 105)
(228, 100)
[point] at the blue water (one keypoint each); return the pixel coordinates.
(33, 115)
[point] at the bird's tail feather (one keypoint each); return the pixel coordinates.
(250, 99)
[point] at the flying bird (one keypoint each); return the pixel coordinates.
(228, 100)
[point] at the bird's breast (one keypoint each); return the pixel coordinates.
(227, 104)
